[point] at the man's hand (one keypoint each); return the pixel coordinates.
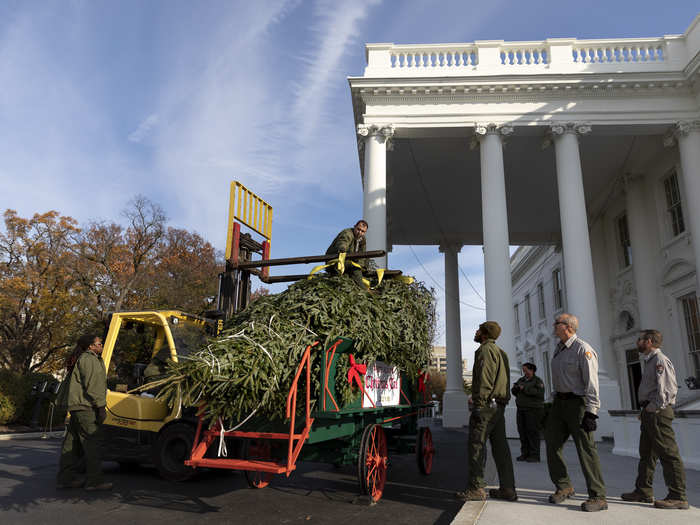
(515, 390)
(588, 422)
(101, 415)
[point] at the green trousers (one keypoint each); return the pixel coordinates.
(564, 420)
(489, 423)
(657, 441)
(81, 446)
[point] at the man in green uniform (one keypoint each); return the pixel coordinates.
(529, 398)
(657, 395)
(347, 241)
(574, 413)
(83, 394)
(490, 395)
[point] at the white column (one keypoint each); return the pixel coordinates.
(578, 264)
(576, 245)
(494, 213)
(454, 401)
(374, 190)
(688, 136)
(642, 252)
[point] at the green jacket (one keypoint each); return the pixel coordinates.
(490, 375)
(345, 242)
(86, 387)
(532, 394)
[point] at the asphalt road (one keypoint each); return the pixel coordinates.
(315, 493)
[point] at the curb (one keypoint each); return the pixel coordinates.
(32, 435)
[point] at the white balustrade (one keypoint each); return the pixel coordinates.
(617, 52)
(555, 55)
(433, 58)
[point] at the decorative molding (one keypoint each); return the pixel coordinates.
(503, 130)
(372, 130)
(451, 246)
(681, 128)
(575, 128)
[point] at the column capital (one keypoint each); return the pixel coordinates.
(450, 246)
(682, 128)
(481, 130)
(576, 128)
(558, 129)
(384, 132)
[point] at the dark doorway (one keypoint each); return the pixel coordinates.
(634, 375)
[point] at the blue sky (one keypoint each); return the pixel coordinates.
(102, 100)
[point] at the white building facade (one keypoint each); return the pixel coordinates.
(528, 143)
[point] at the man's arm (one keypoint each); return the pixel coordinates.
(588, 365)
(94, 387)
(666, 386)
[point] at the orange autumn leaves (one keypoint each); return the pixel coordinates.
(58, 279)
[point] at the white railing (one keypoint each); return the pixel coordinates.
(554, 55)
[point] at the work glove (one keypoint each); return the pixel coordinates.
(514, 390)
(588, 422)
(101, 415)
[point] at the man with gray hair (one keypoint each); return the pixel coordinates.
(574, 413)
(657, 395)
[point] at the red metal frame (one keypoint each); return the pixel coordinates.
(200, 447)
(235, 243)
(265, 256)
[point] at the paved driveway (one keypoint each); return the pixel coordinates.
(315, 493)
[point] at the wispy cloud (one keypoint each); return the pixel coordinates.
(335, 30)
(144, 128)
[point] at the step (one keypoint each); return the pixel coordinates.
(239, 464)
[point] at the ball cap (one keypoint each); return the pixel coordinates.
(491, 329)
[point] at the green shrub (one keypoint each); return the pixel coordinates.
(7, 409)
(17, 390)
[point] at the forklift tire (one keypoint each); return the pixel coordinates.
(172, 448)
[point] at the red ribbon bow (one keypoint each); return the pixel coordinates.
(423, 378)
(356, 371)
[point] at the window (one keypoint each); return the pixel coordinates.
(673, 204)
(556, 284)
(516, 317)
(692, 328)
(528, 311)
(540, 300)
(547, 373)
(623, 237)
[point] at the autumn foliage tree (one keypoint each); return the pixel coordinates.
(39, 307)
(56, 279)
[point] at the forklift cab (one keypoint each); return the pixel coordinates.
(137, 350)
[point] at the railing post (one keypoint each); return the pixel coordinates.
(378, 58)
(489, 53)
(560, 51)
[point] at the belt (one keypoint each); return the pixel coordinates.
(567, 395)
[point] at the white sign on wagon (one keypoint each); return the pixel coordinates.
(383, 385)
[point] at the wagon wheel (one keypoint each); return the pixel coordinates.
(262, 450)
(425, 450)
(372, 462)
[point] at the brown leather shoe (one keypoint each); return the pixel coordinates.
(636, 496)
(472, 495)
(667, 503)
(501, 493)
(594, 505)
(561, 494)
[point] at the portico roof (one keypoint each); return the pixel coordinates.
(630, 91)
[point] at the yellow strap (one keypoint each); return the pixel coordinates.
(405, 279)
(339, 262)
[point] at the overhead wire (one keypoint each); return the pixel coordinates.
(442, 233)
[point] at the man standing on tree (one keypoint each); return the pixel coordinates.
(490, 395)
(347, 241)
